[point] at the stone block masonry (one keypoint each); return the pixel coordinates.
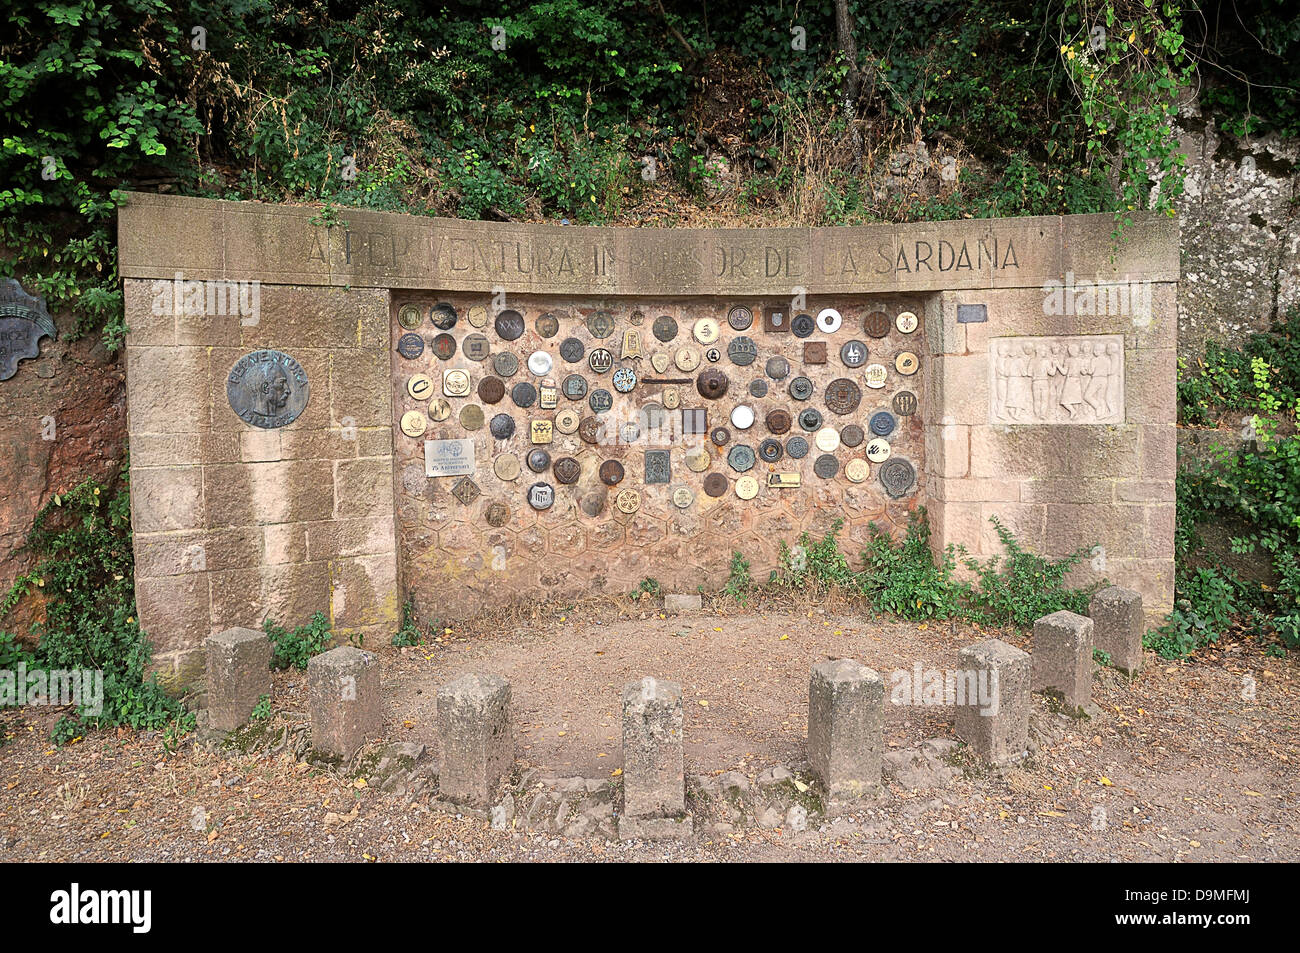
(845, 719)
(239, 674)
(994, 719)
(345, 701)
(1062, 658)
(475, 738)
(1117, 626)
(654, 777)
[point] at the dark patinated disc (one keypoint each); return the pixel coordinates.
(664, 328)
(548, 325)
(826, 466)
(843, 396)
(777, 421)
(742, 350)
(600, 324)
(505, 364)
(740, 318)
(491, 390)
(876, 324)
(770, 450)
(882, 423)
(853, 353)
(410, 346)
(497, 514)
(711, 383)
(758, 388)
(538, 459)
(444, 347)
(266, 388)
(797, 447)
(803, 325)
(567, 470)
(801, 388)
(778, 368)
(541, 495)
(897, 476)
(509, 325)
(443, 316)
(523, 394)
(611, 473)
(741, 458)
(574, 387)
(715, 484)
(476, 347)
(904, 403)
(810, 419)
(591, 430)
(600, 400)
(852, 436)
(571, 349)
(502, 426)
(719, 436)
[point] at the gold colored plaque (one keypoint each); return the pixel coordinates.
(455, 384)
(687, 359)
(477, 316)
(548, 395)
(631, 344)
(784, 481)
(672, 397)
(857, 470)
(697, 461)
(906, 363)
(659, 361)
(414, 423)
(567, 420)
(506, 467)
(542, 431)
(628, 501)
(683, 497)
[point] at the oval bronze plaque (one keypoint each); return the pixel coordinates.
(268, 389)
(843, 396)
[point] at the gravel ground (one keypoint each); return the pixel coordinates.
(1181, 766)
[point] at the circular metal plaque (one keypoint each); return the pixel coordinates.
(591, 430)
(778, 368)
(706, 330)
(683, 497)
(719, 436)
(443, 316)
(410, 346)
(906, 322)
(593, 501)
(882, 423)
(420, 386)
(637, 318)
(574, 387)
(698, 460)
(827, 440)
(712, 355)
(491, 390)
(509, 325)
(740, 458)
(567, 470)
(826, 466)
(747, 488)
(538, 460)
(797, 447)
(672, 397)
(664, 328)
(758, 388)
(611, 473)
(477, 316)
(904, 403)
(843, 396)
(624, 380)
(876, 324)
(801, 388)
(857, 470)
(502, 427)
(712, 383)
(740, 318)
(505, 364)
(506, 466)
(567, 420)
(852, 436)
(715, 484)
(878, 450)
(455, 384)
(853, 353)
(627, 501)
(600, 360)
(809, 419)
(829, 320)
(471, 417)
(629, 433)
(876, 375)
(742, 417)
(476, 347)
(541, 495)
(547, 325)
(439, 409)
(907, 363)
(497, 514)
(770, 450)
(742, 351)
(443, 347)
(414, 423)
(687, 359)
(409, 317)
(600, 325)
(897, 477)
(571, 349)
(523, 394)
(803, 325)
(600, 400)
(539, 363)
(777, 421)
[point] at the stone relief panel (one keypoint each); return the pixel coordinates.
(1057, 380)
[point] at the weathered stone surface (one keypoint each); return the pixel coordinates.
(345, 700)
(655, 828)
(1118, 625)
(475, 737)
(996, 722)
(1062, 657)
(239, 674)
(654, 779)
(683, 601)
(845, 718)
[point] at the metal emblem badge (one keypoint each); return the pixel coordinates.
(409, 317)
(611, 473)
(538, 460)
(843, 396)
(541, 495)
(466, 490)
(491, 390)
(852, 436)
(686, 359)
(906, 322)
(683, 497)
(600, 361)
(907, 363)
(742, 417)
(443, 347)
(814, 352)
(476, 347)
(898, 477)
(477, 316)
(571, 349)
(628, 501)
(777, 421)
(784, 481)
(712, 355)
(541, 431)
(664, 328)
(505, 364)
(420, 386)
(740, 458)
(826, 466)
(857, 470)
(567, 420)
(539, 363)
(659, 361)
(720, 436)
(876, 375)
(574, 387)
(853, 353)
(876, 324)
(600, 325)
(497, 514)
(600, 400)
(706, 330)
(758, 388)
(904, 403)
(413, 423)
(502, 427)
(506, 467)
(455, 384)
(637, 318)
(695, 420)
(747, 488)
(740, 318)
(882, 423)
(801, 388)
(672, 397)
(524, 395)
(715, 484)
(698, 460)
(567, 470)
(742, 351)
(410, 346)
(797, 447)
(803, 325)
(548, 395)
(443, 316)
(777, 368)
(878, 450)
(712, 383)
(439, 409)
(547, 325)
(471, 416)
(658, 467)
(591, 430)
(770, 450)
(775, 320)
(509, 325)
(624, 380)
(810, 419)
(829, 320)
(631, 344)
(827, 440)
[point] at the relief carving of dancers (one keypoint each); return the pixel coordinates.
(1058, 380)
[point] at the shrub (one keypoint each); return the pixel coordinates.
(294, 649)
(1022, 586)
(903, 578)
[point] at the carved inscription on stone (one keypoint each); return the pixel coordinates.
(1057, 380)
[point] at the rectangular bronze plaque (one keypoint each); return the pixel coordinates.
(814, 352)
(542, 431)
(658, 469)
(776, 319)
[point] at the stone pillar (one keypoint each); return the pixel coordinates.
(346, 702)
(1117, 627)
(239, 674)
(845, 718)
(993, 715)
(1062, 659)
(654, 776)
(475, 736)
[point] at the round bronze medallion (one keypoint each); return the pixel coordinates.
(600, 324)
(711, 383)
(687, 359)
(897, 476)
(502, 427)
(740, 318)
(410, 346)
(797, 447)
(506, 467)
(826, 466)
(574, 387)
(509, 325)
(770, 450)
(591, 430)
(664, 328)
(409, 317)
(810, 419)
(777, 421)
(742, 350)
(413, 423)
(600, 361)
(672, 397)
(444, 347)
(853, 353)
(715, 484)
(719, 436)
(548, 325)
(758, 388)
(567, 420)
(801, 388)
(567, 470)
(611, 473)
(439, 409)
(523, 394)
(741, 458)
(571, 349)
(803, 325)
(624, 380)
(505, 364)
(843, 396)
(683, 497)
(852, 436)
(882, 423)
(698, 460)
(876, 324)
(476, 347)
(497, 514)
(600, 400)
(538, 460)
(778, 368)
(904, 403)
(443, 316)
(471, 416)
(491, 390)
(477, 316)
(628, 501)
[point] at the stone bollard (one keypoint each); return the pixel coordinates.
(475, 737)
(654, 775)
(345, 699)
(846, 715)
(239, 674)
(1062, 658)
(1117, 627)
(994, 718)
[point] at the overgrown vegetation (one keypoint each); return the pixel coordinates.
(294, 648)
(408, 633)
